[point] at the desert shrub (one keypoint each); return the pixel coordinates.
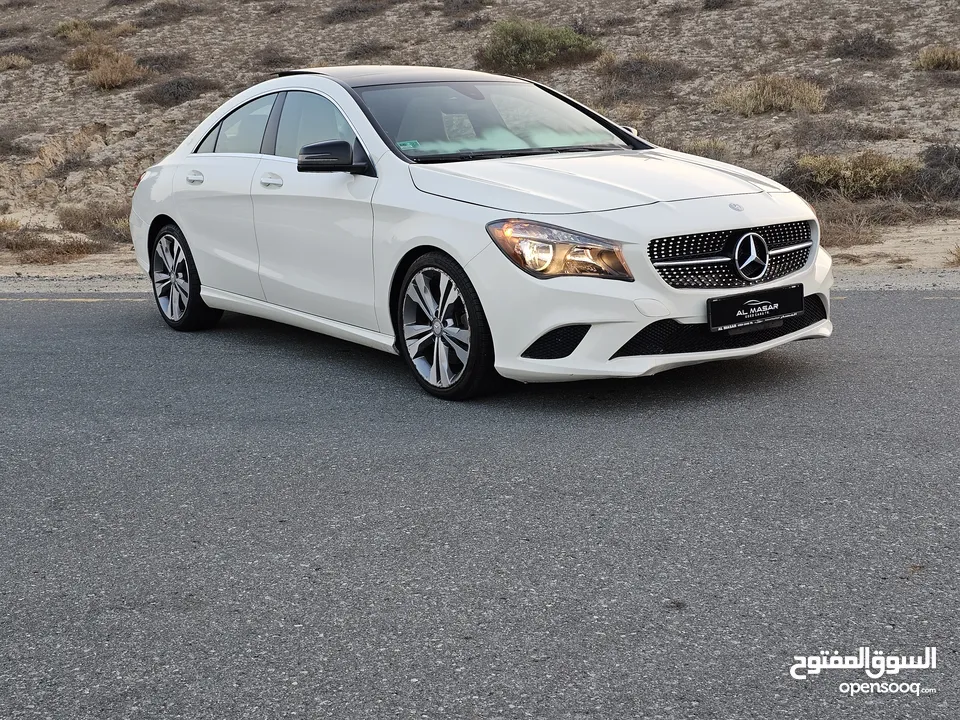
(20, 239)
(366, 50)
(774, 93)
(165, 62)
(8, 225)
(469, 23)
(939, 178)
(356, 10)
(70, 163)
(816, 132)
(463, 7)
(177, 90)
(44, 251)
(166, 12)
(10, 31)
(716, 4)
(851, 95)
(13, 62)
(712, 148)
(8, 140)
(17, 4)
(87, 57)
(638, 76)
(122, 3)
(271, 57)
(279, 8)
(519, 46)
(869, 174)
(864, 45)
(118, 71)
(101, 222)
(36, 51)
(939, 57)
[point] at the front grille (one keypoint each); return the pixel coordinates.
(558, 343)
(668, 337)
(705, 260)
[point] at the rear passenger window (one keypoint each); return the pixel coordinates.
(242, 130)
(308, 118)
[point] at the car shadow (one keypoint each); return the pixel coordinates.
(794, 366)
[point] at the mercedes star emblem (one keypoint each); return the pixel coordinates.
(751, 256)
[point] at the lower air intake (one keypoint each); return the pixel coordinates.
(668, 337)
(558, 343)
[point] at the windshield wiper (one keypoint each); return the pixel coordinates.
(483, 155)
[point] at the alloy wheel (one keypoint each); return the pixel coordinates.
(436, 327)
(171, 277)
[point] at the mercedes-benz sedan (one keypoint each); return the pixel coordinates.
(479, 226)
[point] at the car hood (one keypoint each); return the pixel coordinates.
(562, 183)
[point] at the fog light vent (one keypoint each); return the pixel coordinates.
(558, 343)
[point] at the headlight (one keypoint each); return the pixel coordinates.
(547, 251)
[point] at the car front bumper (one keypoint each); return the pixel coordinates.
(520, 309)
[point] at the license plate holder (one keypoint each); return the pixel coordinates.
(754, 308)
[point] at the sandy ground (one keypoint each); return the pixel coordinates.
(908, 258)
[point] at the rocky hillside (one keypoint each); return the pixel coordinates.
(93, 91)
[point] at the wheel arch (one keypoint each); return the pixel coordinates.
(396, 282)
(158, 222)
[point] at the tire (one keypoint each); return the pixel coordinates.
(170, 249)
(442, 332)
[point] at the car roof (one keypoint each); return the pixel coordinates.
(364, 75)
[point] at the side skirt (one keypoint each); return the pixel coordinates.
(258, 308)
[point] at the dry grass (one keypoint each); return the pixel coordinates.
(637, 77)
(118, 71)
(87, 57)
(774, 93)
(712, 148)
(851, 96)
(520, 46)
(34, 247)
(953, 257)
(864, 45)
(10, 31)
(17, 4)
(939, 178)
(939, 57)
(8, 225)
(73, 31)
(101, 222)
(717, 4)
(13, 62)
(177, 90)
(867, 175)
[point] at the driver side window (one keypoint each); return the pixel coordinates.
(309, 118)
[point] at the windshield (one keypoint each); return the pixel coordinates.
(463, 120)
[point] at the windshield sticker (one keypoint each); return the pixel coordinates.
(408, 144)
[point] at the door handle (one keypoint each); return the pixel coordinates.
(271, 180)
(195, 177)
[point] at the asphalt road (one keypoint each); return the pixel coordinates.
(259, 522)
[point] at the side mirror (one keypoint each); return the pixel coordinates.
(332, 156)
(631, 130)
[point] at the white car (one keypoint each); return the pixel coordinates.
(477, 225)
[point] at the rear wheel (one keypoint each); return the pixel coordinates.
(176, 285)
(442, 330)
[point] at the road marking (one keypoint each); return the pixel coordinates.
(72, 300)
(838, 297)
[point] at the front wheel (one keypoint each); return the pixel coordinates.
(176, 285)
(442, 331)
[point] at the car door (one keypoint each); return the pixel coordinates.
(212, 197)
(314, 230)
